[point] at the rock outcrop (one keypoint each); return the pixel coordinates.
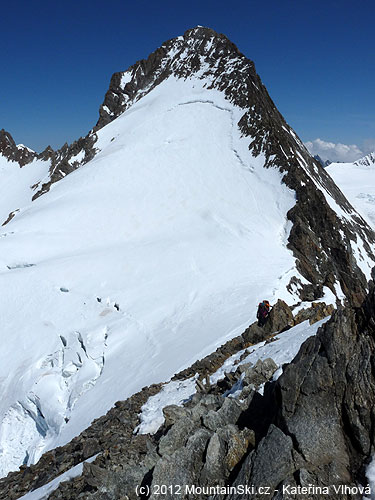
(9, 149)
(66, 159)
(314, 313)
(323, 405)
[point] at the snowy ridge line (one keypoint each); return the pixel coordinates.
(131, 408)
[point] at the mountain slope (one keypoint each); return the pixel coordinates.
(174, 222)
(197, 201)
(357, 181)
(211, 58)
(20, 171)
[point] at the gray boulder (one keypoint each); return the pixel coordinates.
(260, 373)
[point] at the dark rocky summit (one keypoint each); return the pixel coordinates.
(19, 154)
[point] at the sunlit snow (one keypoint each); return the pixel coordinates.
(135, 265)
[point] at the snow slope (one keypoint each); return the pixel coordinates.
(135, 265)
(357, 182)
(16, 184)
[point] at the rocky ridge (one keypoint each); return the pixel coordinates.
(312, 426)
(13, 152)
(112, 435)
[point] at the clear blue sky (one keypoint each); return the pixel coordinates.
(315, 57)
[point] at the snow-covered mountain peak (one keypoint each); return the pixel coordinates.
(206, 61)
(150, 241)
(200, 52)
(367, 161)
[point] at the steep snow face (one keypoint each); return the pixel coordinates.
(135, 265)
(357, 182)
(17, 184)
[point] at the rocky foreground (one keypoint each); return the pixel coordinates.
(312, 426)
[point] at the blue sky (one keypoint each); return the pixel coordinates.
(315, 58)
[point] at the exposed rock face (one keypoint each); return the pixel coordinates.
(324, 410)
(66, 160)
(367, 161)
(19, 154)
(314, 313)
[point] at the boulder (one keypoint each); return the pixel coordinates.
(177, 436)
(182, 468)
(316, 312)
(173, 413)
(280, 318)
(228, 414)
(260, 373)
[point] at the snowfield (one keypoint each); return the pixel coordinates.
(135, 265)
